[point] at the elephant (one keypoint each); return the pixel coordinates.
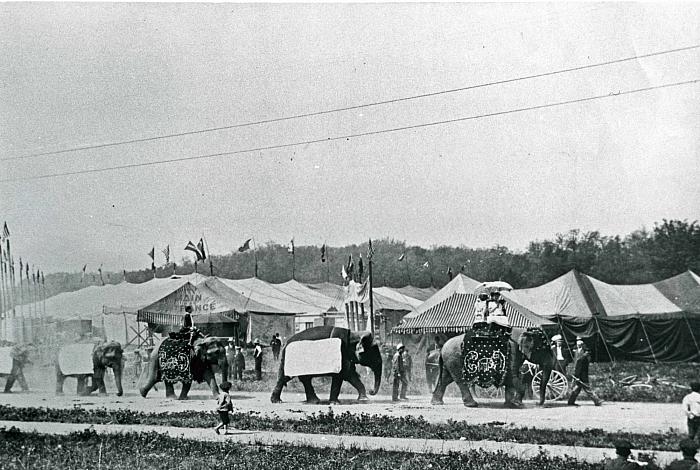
(531, 344)
(199, 362)
(356, 348)
(14, 358)
(76, 360)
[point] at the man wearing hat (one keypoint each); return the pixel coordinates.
(688, 448)
(582, 359)
(258, 355)
(622, 461)
(398, 369)
(557, 346)
(238, 364)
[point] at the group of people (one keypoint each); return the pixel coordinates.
(236, 358)
(401, 370)
(490, 310)
(624, 460)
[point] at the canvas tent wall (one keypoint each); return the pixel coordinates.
(326, 309)
(657, 322)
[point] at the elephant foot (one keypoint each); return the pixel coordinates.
(120, 394)
(435, 401)
(143, 393)
(182, 398)
(276, 400)
(363, 398)
(334, 402)
(312, 401)
(7, 391)
(102, 394)
(471, 404)
(513, 405)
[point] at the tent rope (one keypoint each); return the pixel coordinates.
(605, 343)
(641, 322)
(690, 330)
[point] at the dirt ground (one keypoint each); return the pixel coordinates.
(633, 417)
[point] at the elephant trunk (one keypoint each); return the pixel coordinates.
(377, 381)
(118, 379)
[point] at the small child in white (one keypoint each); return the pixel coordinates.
(224, 405)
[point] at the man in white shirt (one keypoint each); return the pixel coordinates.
(691, 406)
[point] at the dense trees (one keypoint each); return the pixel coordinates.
(672, 247)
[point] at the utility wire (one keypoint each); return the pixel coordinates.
(348, 108)
(349, 136)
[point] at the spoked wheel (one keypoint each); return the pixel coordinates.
(488, 392)
(556, 387)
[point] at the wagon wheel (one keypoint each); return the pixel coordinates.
(488, 392)
(556, 387)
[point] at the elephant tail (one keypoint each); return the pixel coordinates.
(441, 365)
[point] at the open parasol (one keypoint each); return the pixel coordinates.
(493, 286)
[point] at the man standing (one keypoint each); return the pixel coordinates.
(238, 364)
(582, 359)
(691, 407)
(399, 371)
(258, 355)
(276, 345)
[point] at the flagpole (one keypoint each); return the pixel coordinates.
(211, 266)
(3, 297)
(255, 257)
(371, 296)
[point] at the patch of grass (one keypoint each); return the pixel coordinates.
(351, 424)
(88, 449)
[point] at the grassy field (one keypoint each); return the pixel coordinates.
(89, 450)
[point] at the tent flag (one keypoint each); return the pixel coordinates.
(81, 277)
(5, 231)
(350, 267)
(200, 247)
(402, 257)
(245, 246)
(344, 273)
(152, 253)
(323, 253)
(290, 248)
(426, 265)
(166, 252)
(191, 247)
(370, 251)
(360, 267)
(449, 273)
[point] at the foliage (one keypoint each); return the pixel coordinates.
(351, 424)
(672, 247)
(88, 449)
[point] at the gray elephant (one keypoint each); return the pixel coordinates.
(88, 360)
(177, 360)
(531, 344)
(355, 348)
(13, 358)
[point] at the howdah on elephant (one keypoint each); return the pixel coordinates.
(328, 351)
(177, 360)
(531, 344)
(85, 360)
(13, 358)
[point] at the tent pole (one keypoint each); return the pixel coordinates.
(605, 344)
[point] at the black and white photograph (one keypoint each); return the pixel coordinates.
(346, 235)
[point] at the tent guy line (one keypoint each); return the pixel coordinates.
(350, 108)
(349, 136)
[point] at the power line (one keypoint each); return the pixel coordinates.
(347, 108)
(350, 136)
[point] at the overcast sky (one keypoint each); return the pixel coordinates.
(76, 75)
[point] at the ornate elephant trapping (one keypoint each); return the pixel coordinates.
(174, 361)
(486, 358)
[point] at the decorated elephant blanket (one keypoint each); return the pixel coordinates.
(323, 356)
(76, 359)
(5, 360)
(174, 361)
(485, 360)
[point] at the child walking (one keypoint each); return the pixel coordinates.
(224, 405)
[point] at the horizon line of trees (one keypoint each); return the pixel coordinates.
(643, 256)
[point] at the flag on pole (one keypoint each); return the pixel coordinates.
(166, 252)
(5, 231)
(152, 253)
(360, 267)
(21, 266)
(350, 267)
(200, 247)
(426, 265)
(26, 269)
(290, 248)
(99, 270)
(344, 273)
(402, 257)
(191, 247)
(81, 277)
(370, 251)
(323, 253)
(449, 272)
(245, 246)
(43, 281)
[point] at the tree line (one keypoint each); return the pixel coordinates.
(643, 256)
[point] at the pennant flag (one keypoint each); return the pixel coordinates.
(166, 252)
(344, 273)
(43, 281)
(370, 251)
(449, 272)
(152, 253)
(426, 265)
(33, 278)
(402, 257)
(124, 272)
(81, 277)
(5, 231)
(20, 267)
(464, 266)
(290, 248)
(190, 246)
(200, 247)
(38, 276)
(99, 270)
(26, 269)
(245, 246)
(323, 253)
(360, 267)
(351, 266)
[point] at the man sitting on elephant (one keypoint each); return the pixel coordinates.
(333, 352)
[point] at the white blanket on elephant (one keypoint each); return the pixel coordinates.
(76, 359)
(317, 357)
(5, 360)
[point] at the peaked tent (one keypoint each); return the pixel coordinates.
(451, 310)
(657, 322)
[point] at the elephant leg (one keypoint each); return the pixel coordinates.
(82, 385)
(444, 379)
(169, 390)
(336, 384)
(467, 397)
(546, 375)
(311, 397)
(210, 378)
(184, 390)
(354, 380)
(276, 396)
(147, 386)
(98, 381)
(60, 378)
